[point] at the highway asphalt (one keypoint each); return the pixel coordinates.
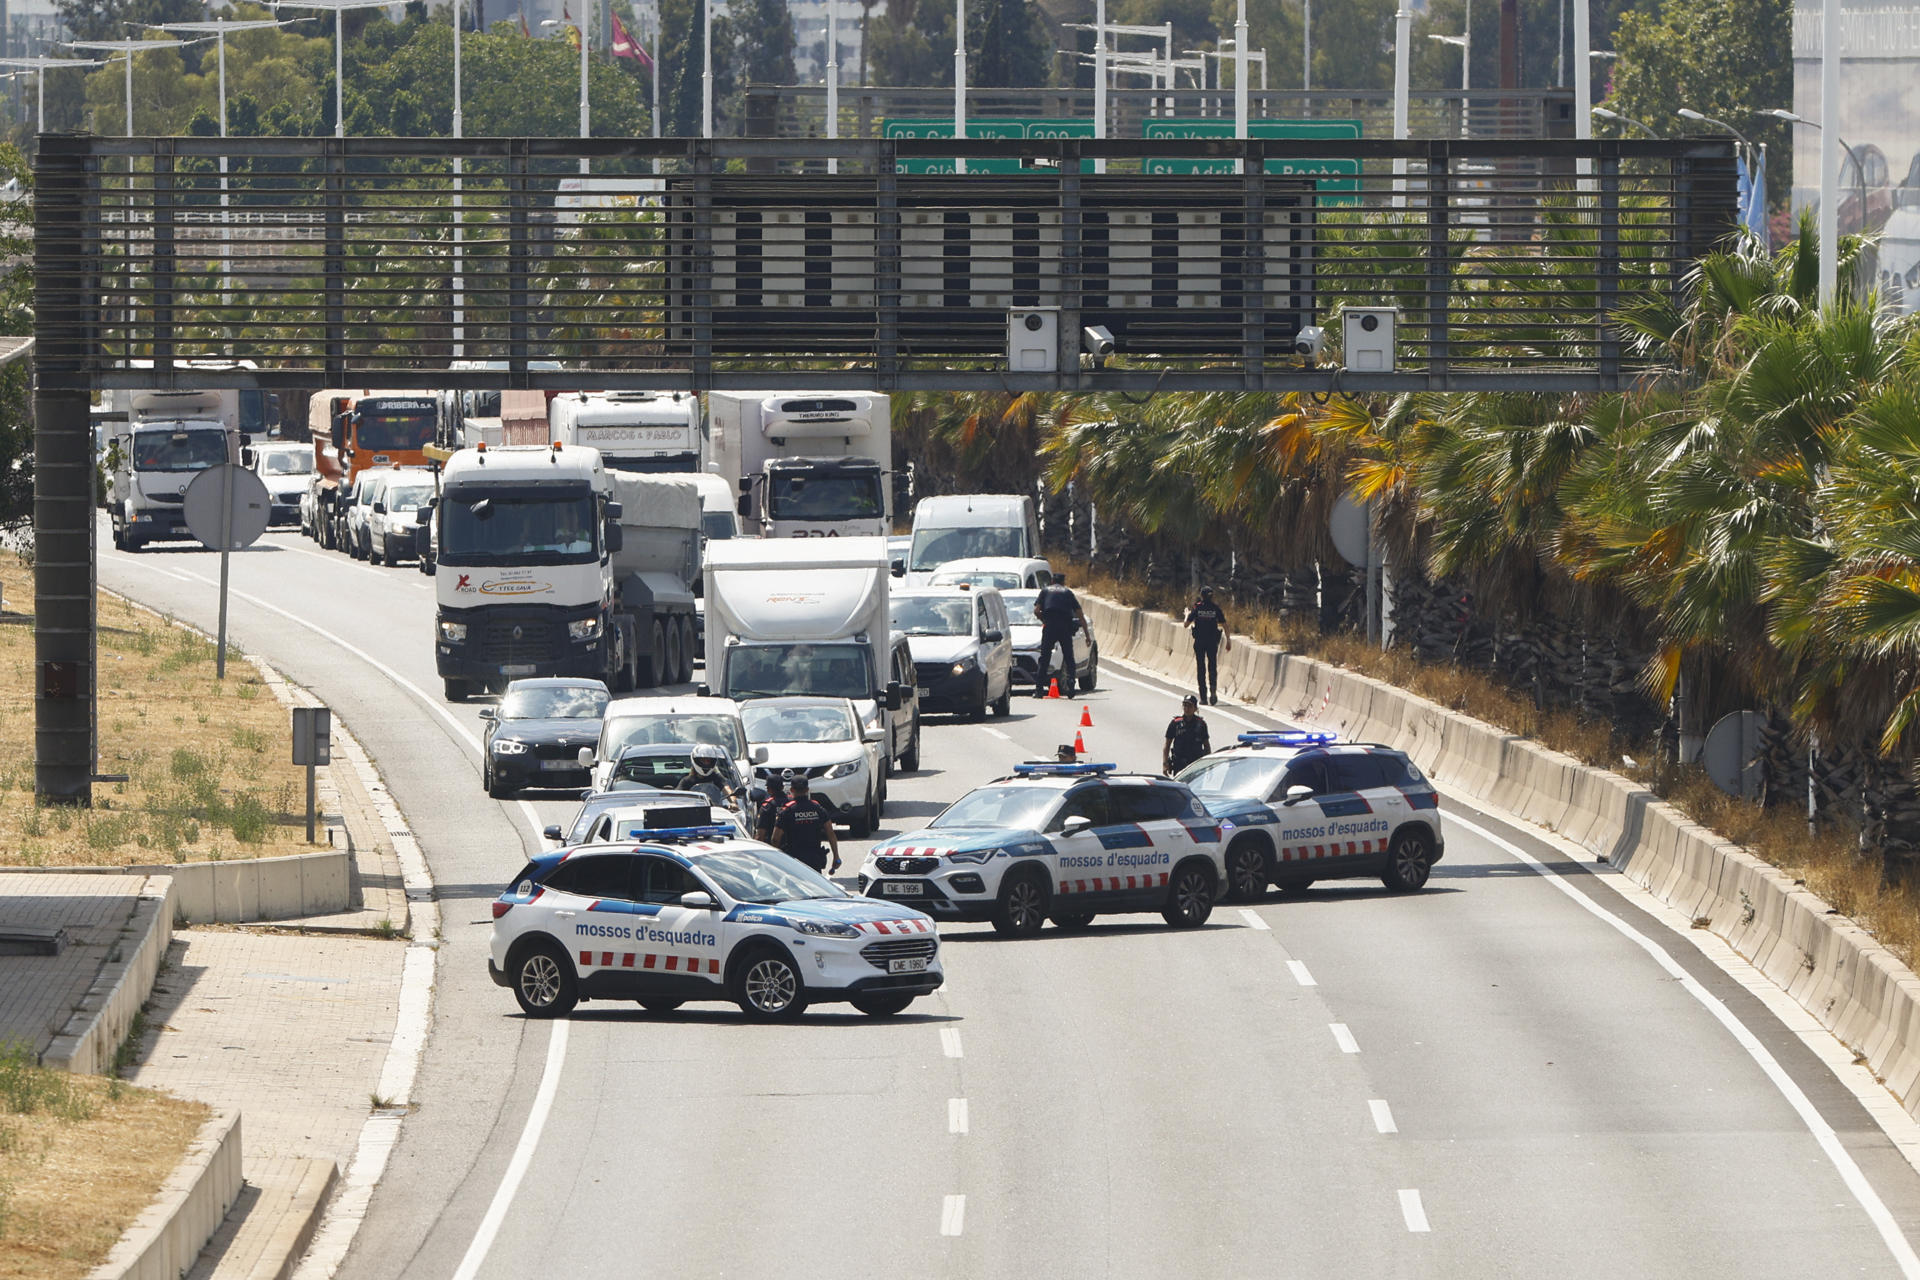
(1489, 1078)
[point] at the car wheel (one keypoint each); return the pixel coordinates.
(881, 1006)
(543, 982)
(1004, 707)
(910, 758)
(119, 536)
(1246, 869)
(660, 1005)
(374, 554)
(860, 821)
(1072, 919)
(1087, 681)
(1190, 897)
(456, 690)
(1293, 886)
(1022, 908)
(766, 985)
(1409, 860)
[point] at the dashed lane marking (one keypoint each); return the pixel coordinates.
(995, 732)
(1382, 1116)
(1413, 1212)
(1253, 919)
(956, 1115)
(950, 1042)
(1300, 974)
(953, 1216)
(1343, 1037)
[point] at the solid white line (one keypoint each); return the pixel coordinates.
(995, 732)
(956, 1115)
(950, 1041)
(1252, 918)
(1411, 1210)
(1382, 1116)
(1823, 1134)
(476, 1254)
(1343, 1037)
(1300, 974)
(175, 573)
(953, 1217)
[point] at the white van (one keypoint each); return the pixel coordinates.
(970, 526)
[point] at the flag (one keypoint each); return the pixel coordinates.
(573, 32)
(625, 46)
(1753, 196)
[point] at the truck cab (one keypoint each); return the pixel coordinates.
(151, 465)
(809, 465)
(638, 431)
(355, 432)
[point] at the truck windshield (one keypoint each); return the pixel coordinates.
(837, 495)
(178, 450)
(259, 411)
(394, 431)
(718, 524)
(775, 670)
(510, 529)
(934, 547)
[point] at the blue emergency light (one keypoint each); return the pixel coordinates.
(680, 833)
(1053, 769)
(1290, 738)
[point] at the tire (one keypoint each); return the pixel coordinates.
(881, 1006)
(1190, 896)
(880, 800)
(1072, 919)
(1004, 707)
(766, 985)
(543, 981)
(374, 554)
(1246, 869)
(1088, 681)
(689, 647)
(1025, 900)
(1409, 860)
(491, 781)
(456, 690)
(670, 646)
(650, 666)
(910, 758)
(119, 536)
(860, 821)
(660, 1004)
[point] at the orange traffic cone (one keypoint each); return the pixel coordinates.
(1086, 716)
(1053, 687)
(1079, 745)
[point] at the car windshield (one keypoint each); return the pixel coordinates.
(554, 702)
(669, 729)
(179, 450)
(775, 670)
(847, 495)
(766, 878)
(977, 578)
(797, 724)
(934, 547)
(933, 615)
(1242, 777)
(286, 464)
(394, 431)
(1020, 609)
(407, 497)
(652, 770)
(1005, 806)
(516, 529)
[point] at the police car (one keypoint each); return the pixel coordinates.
(1064, 842)
(697, 913)
(1298, 807)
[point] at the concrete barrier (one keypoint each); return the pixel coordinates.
(168, 1235)
(244, 890)
(1857, 990)
(104, 1016)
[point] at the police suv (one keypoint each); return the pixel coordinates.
(1298, 807)
(1064, 842)
(664, 916)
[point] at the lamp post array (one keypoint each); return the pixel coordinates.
(339, 10)
(40, 66)
(126, 48)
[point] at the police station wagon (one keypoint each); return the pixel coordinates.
(1064, 842)
(1297, 807)
(667, 916)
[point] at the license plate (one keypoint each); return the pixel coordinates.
(559, 764)
(899, 889)
(906, 966)
(920, 690)
(518, 669)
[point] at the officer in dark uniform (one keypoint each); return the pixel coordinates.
(1208, 623)
(1060, 614)
(804, 829)
(1187, 738)
(770, 807)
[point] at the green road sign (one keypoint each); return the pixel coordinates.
(1339, 178)
(981, 127)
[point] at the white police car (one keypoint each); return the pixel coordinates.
(697, 913)
(1064, 842)
(1298, 807)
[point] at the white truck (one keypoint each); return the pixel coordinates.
(549, 564)
(809, 465)
(791, 617)
(167, 439)
(639, 431)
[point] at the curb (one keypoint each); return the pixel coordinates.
(1857, 990)
(169, 1234)
(94, 1032)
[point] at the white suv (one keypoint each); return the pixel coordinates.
(1064, 842)
(1298, 807)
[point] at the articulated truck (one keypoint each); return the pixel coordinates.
(813, 465)
(550, 564)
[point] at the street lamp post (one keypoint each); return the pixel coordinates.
(126, 48)
(1606, 114)
(586, 17)
(1402, 55)
(1306, 45)
(41, 66)
(339, 9)
(833, 79)
(960, 77)
(1859, 169)
(706, 72)
(1464, 43)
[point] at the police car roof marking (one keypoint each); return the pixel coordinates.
(1288, 738)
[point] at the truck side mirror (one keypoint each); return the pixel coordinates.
(892, 696)
(614, 537)
(703, 690)
(379, 508)
(614, 510)
(744, 507)
(423, 515)
(899, 568)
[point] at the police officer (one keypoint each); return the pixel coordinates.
(770, 807)
(1208, 623)
(1187, 738)
(1060, 614)
(803, 826)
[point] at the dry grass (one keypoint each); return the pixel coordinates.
(206, 759)
(80, 1158)
(1828, 861)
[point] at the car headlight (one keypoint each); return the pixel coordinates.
(963, 666)
(509, 747)
(973, 855)
(845, 769)
(453, 632)
(826, 929)
(584, 629)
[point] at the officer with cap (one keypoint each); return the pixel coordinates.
(1065, 754)
(1208, 623)
(804, 830)
(770, 807)
(1187, 738)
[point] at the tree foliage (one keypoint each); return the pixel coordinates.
(1008, 45)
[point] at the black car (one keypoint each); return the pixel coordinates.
(534, 736)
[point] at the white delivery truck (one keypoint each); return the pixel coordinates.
(967, 526)
(641, 431)
(809, 465)
(786, 616)
(153, 454)
(549, 564)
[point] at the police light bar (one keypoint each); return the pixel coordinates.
(1291, 738)
(1050, 769)
(680, 833)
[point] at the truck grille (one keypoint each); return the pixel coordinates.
(907, 866)
(533, 644)
(878, 954)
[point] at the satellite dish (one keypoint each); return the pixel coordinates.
(1732, 754)
(1351, 526)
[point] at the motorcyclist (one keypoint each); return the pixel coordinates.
(708, 776)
